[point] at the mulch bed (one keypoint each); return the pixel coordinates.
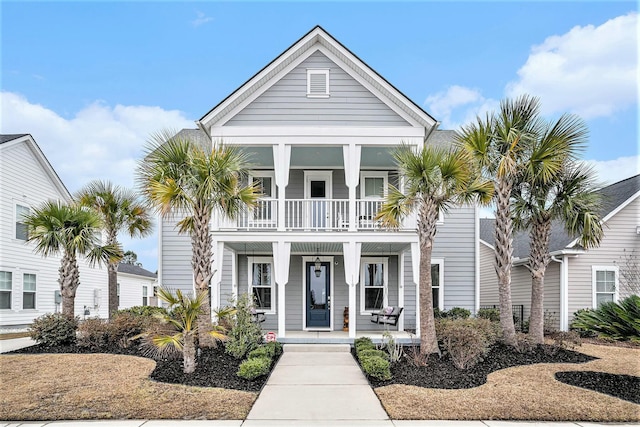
(215, 368)
(625, 387)
(441, 373)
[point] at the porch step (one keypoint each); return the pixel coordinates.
(322, 348)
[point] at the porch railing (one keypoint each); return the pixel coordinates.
(263, 216)
(310, 214)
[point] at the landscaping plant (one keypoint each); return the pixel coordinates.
(54, 329)
(617, 321)
(492, 314)
(466, 341)
(376, 367)
(254, 367)
(245, 335)
(393, 350)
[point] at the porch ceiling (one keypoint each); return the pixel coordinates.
(322, 157)
(311, 248)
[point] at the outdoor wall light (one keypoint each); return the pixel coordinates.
(318, 265)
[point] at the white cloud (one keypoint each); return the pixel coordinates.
(99, 142)
(611, 171)
(466, 102)
(591, 71)
(201, 19)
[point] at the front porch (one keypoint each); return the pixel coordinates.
(341, 337)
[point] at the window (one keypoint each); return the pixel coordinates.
(605, 284)
(373, 280)
(265, 182)
(21, 228)
(261, 283)
(28, 291)
(437, 267)
(145, 296)
(5, 289)
(373, 185)
(317, 83)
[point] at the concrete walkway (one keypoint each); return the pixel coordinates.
(15, 344)
(317, 383)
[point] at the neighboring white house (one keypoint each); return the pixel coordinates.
(135, 286)
(320, 126)
(575, 278)
(28, 282)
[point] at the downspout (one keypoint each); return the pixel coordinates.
(477, 258)
(564, 292)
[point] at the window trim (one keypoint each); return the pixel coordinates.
(318, 71)
(10, 291)
(440, 263)
(261, 260)
(34, 292)
(265, 174)
(594, 283)
(15, 220)
(374, 174)
(385, 277)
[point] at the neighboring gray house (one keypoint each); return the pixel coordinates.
(575, 278)
(135, 286)
(320, 126)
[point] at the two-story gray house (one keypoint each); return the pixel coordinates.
(320, 126)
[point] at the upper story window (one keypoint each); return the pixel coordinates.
(21, 228)
(28, 291)
(373, 185)
(605, 284)
(5, 289)
(261, 283)
(318, 83)
(265, 183)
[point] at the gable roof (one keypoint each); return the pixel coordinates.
(9, 140)
(135, 270)
(301, 49)
(615, 197)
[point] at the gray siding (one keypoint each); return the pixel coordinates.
(409, 293)
(226, 284)
(488, 277)
(175, 268)
(286, 103)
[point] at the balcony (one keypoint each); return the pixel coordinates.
(311, 215)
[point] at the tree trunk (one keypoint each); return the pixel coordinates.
(189, 354)
(201, 263)
(504, 259)
(112, 271)
(426, 233)
(69, 280)
(539, 259)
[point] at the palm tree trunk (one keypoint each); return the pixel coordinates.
(69, 280)
(539, 259)
(426, 234)
(504, 259)
(189, 354)
(112, 273)
(201, 263)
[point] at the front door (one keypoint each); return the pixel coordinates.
(318, 295)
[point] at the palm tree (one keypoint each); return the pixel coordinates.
(435, 179)
(570, 198)
(69, 230)
(179, 176)
(503, 145)
(120, 211)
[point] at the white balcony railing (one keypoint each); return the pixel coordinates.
(315, 214)
(366, 213)
(263, 216)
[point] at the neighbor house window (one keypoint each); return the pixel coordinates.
(374, 280)
(21, 228)
(261, 283)
(28, 291)
(317, 83)
(437, 267)
(145, 296)
(5, 289)
(265, 183)
(605, 284)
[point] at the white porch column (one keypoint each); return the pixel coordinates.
(281, 162)
(401, 289)
(351, 154)
(352, 251)
(281, 258)
(415, 269)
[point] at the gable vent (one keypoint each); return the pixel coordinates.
(318, 83)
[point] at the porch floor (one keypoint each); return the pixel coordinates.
(341, 337)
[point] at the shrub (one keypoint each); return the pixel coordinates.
(394, 350)
(254, 368)
(525, 343)
(245, 335)
(142, 310)
(54, 329)
(376, 367)
(126, 327)
(565, 341)
(466, 341)
(617, 321)
(259, 352)
(584, 333)
(363, 354)
(491, 314)
(93, 333)
(457, 313)
(274, 349)
(363, 343)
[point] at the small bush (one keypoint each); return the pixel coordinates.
(274, 349)
(54, 329)
(245, 335)
(254, 368)
(363, 343)
(259, 352)
(565, 341)
(466, 341)
(93, 333)
(363, 354)
(376, 367)
(457, 313)
(394, 350)
(617, 321)
(142, 310)
(491, 314)
(525, 343)
(124, 326)
(584, 333)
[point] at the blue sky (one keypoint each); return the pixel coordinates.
(90, 81)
